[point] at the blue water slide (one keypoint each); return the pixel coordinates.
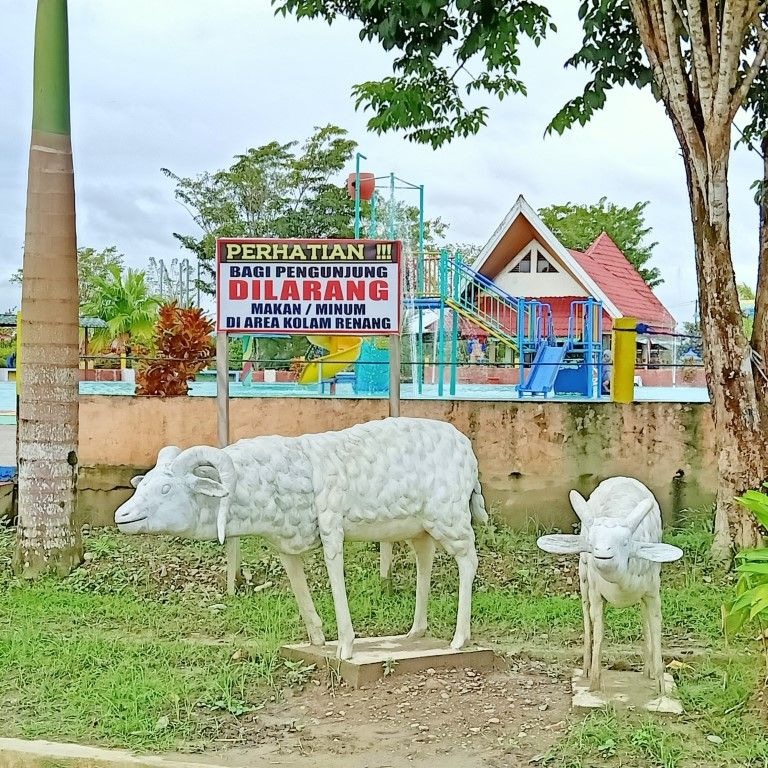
(546, 364)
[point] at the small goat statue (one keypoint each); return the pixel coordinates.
(620, 552)
(390, 480)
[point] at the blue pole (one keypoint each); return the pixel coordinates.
(443, 281)
(372, 227)
(420, 284)
(358, 157)
(520, 338)
(455, 323)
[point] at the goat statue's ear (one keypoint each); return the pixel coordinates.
(658, 553)
(206, 486)
(136, 480)
(562, 543)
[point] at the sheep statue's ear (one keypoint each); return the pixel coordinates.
(562, 543)
(658, 553)
(580, 507)
(136, 480)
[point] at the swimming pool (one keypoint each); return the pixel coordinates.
(499, 392)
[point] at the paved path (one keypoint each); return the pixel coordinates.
(7, 445)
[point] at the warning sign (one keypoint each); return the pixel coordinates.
(308, 286)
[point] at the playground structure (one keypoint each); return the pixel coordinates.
(440, 292)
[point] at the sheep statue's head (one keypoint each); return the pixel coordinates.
(611, 539)
(186, 494)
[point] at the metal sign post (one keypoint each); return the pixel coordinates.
(305, 287)
(222, 424)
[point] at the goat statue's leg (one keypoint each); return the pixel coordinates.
(467, 563)
(584, 587)
(596, 616)
(653, 604)
(424, 547)
(294, 567)
(333, 551)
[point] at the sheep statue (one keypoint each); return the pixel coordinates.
(620, 552)
(390, 480)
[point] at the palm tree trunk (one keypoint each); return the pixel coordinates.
(48, 418)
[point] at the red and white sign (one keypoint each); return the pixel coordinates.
(305, 287)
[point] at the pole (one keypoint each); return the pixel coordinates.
(623, 369)
(359, 156)
(674, 357)
(391, 234)
(420, 280)
(385, 547)
(222, 424)
(198, 282)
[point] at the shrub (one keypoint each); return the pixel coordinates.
(182, 340)
(751, 603)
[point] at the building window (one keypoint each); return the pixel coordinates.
(524, 265)
(543, 264)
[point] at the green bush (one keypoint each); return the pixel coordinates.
(751, 602)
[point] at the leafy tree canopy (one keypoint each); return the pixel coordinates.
(276, 190)
(577, 227)
(124, 301)
(91, 266)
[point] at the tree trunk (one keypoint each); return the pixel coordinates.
(48, 417)
(760, 325)
(739, 441)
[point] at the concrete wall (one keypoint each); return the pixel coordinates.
(531, 454)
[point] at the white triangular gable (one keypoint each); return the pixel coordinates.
(521, 208)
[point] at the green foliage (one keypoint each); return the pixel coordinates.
(751, 602)
(577, 227)
(92, 265)
(450, 52)
(123, 301)
(275, 190)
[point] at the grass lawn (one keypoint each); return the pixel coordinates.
(140, 648)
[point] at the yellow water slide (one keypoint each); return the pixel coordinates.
(342, 352)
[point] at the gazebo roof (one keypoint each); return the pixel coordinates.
(9, 321)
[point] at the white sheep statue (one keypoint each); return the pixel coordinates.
(620, 552)
(390, 480)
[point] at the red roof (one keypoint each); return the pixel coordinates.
(604, 262)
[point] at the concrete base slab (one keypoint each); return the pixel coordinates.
(625, 690)
(20, 753)
(377, 657)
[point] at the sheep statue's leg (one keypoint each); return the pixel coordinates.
(584, 586)
(424, 547)
(333, 550)
(596, 616)
(647, 642)
(467, 563)
(654, 625)
(386, 555)
(294, 567)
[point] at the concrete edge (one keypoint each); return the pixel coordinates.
(21, 753)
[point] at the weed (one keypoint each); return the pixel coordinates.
(298, 673)
(389, 667)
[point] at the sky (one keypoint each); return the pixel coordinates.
(188, 84)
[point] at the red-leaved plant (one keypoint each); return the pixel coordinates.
(183, 342)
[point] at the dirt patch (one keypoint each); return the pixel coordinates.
(439, 718)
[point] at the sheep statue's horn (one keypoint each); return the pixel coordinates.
(167, 455)
(638, 514)
(194, 457)
(580, 507)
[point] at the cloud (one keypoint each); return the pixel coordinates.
(187, 85)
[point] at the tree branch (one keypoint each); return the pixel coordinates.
(741, 92)
(701, 57)
(737, 16)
